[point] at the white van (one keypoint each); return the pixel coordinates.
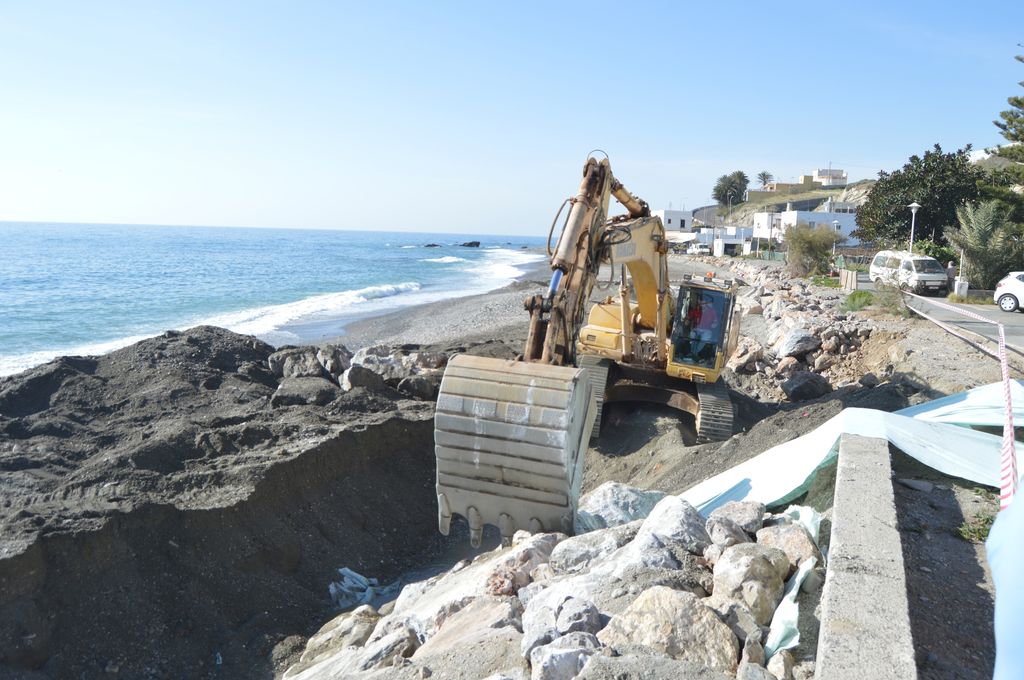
(908, 271)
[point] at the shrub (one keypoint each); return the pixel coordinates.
(809, 249)
(825, 281)
(941, 253)
(858, 300)
(891, 300)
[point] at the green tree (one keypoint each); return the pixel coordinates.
(808, 249)
(734, 186)
(987, 242)
(765, 178)
(1003, 183)
(1011, 126)
(939, 182)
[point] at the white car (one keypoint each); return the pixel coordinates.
(1009, 292)
(698, 249)
(909, 271)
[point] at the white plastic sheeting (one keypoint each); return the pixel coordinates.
(982, 406)
(355, 589)
(784, 472)
(1006, 557)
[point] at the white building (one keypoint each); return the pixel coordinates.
(831, 177)
(675, 220)
(773, 225)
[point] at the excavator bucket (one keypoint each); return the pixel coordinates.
(510, 438)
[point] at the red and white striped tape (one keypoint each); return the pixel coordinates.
(1008, 469)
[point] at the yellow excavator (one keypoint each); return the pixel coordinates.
(510, 437)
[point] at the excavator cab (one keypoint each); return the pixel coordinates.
(699, 326)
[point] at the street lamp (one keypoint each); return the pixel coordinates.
(835, 237)
(914, 207)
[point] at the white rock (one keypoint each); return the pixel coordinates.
(725, 532)
(748, 514)
(747, 574)
(676, 624)
(612, 504)
(564, 658)
(578, 552)
(675, 521)
(781, 665)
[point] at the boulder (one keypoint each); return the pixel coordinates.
(787, 366)
(424, 387)
(712, 553)
(791, 539)
(471, 244)
(297, 362)
(796, 342)
(725, 532)
(751, 671)
(425, 360)
(425, 605)
(360, 376)
(749, 515)
(781, 665)
(869, 380)
(645, 667)
(483, 652)
(576, 615)
(463, 628)
(563, 658)
(350, 629)
(578, 552)
(753, 651)
(822, 362)
(304, 391)
(612, 504)
(755, 309)
(676, 624)
(335, 359)
(738, 617)
(753, 576)
(804, 385)
(675, 521)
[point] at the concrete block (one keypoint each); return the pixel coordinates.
(865, 619)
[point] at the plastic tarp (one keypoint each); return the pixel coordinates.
(784, 472)
(1006, 557)
(981, 406)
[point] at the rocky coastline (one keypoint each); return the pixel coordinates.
(180, 507)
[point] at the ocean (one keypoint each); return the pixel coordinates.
(76, 289)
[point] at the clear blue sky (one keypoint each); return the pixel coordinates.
(470, 117)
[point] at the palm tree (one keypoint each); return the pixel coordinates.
(985, 240)
(765, 178)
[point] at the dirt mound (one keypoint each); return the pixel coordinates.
(161, 519)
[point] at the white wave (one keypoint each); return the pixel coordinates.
(448, 259)
(409, 246)
(16, 363)
(269, 323)
(502, 266)
(261, 321)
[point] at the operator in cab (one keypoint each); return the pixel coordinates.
(698, 329)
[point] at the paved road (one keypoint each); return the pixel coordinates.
(1013, 323)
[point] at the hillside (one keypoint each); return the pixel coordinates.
(743, 213)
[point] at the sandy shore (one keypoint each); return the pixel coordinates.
(497, 314)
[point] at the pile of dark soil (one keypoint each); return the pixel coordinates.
(159, 518)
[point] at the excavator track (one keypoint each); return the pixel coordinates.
(714, 421)
(509, 440)
(597, 368)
